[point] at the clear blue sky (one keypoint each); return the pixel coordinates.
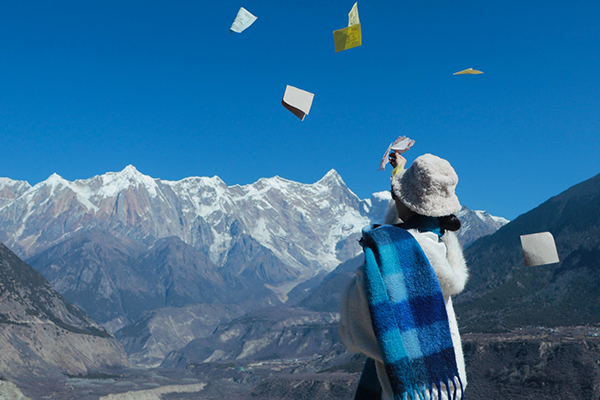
(91, 86)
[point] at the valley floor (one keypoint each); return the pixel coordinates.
(528, 363)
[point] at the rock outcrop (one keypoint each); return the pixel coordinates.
(42, 336)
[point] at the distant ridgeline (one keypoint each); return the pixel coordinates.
(503, 294)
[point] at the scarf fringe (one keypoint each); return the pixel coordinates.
(427, 393)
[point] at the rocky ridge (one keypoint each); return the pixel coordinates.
(161, 331)
(42, 336)
(502, 294)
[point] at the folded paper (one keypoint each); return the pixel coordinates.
(400, 145)
(347, 38)
(539, 249)
(351, 36)
(242, 21)
(298, 101)
(468, 71)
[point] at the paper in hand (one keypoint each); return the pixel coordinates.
(242, 21)
(539, 249)
(400, 145)
(351, 36)
(298, 101)
(468, 71)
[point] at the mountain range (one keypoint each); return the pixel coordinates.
(122, 244)
(203, 212)
(246, 322)
(135, 252)
(528, 332)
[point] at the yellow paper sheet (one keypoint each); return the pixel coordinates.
(347, 38)
(468, 71)
(353, 16)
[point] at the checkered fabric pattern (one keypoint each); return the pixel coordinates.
(408, 314)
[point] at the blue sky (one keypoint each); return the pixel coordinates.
(91, 86)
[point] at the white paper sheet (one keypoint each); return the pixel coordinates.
(539, 249)
(242, 21)
(298, 101)
(353, 16)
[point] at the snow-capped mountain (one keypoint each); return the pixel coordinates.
(306, 226)
(476, 224)
(121, 244)
(10, 189)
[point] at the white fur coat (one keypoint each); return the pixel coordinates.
(356, 330)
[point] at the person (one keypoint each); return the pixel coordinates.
(413, 345)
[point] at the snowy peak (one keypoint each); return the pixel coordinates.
(482, 215)
(11, 183)
(11, 189)
(115, 182)
(486, 217)
(130, 170)
(476, 224)
(265, 184)
(379, 204)
(53, 182)
(53, 185)
(331, 178)
(54, 179)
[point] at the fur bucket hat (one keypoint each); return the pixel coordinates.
(427, 187)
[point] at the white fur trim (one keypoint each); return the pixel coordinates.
(446, 258)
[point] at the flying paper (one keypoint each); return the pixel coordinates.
(353, 15)
(242, 21)
(298, 101)
(468, 71)
(539, 249)
(347, 38)
(400, 145)
(351, 36)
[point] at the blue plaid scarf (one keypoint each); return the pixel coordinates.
(409, 318)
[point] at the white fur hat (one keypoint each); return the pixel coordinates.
(427, 187)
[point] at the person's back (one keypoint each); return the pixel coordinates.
(428, 215)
